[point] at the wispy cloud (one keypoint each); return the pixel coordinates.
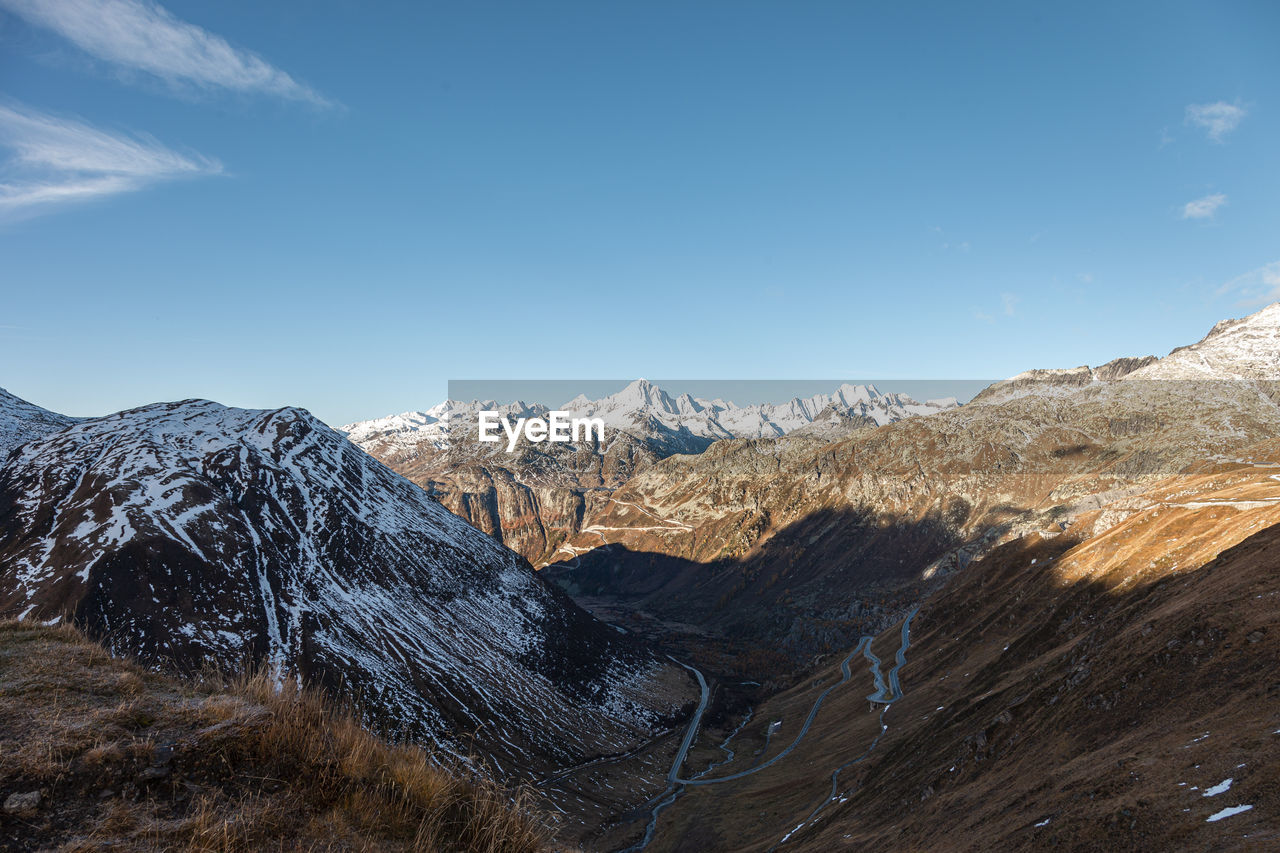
(1008, 308)
(58, 160)
(950, 244)
(1218, 119)
(144, 36)
(1256, 286)
(1204, 208)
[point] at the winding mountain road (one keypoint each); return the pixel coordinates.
(886, 692)
(878, 696)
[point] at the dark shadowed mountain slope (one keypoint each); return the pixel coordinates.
(1119, 694)
(1113, 687)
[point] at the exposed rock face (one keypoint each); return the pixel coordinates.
(802, 544)
(23, 805)
(530, 500)
(534, 499)
(191, 533)
(1041, 381)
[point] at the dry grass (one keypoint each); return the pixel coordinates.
(128, 759)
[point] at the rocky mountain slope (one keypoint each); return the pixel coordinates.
(535, 498)
(808, 544)
(1090, 667)
(686, 424)
(1245, 348)
(21, 422)
(1042, 381)
(1110, 687)
(190, 534)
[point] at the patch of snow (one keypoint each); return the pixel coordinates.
(1224, 785)
(1227, 812)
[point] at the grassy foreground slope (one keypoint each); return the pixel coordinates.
(98, 753)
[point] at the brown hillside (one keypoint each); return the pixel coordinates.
(97, 753)
(1061, 692)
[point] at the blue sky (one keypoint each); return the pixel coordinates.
(343, 205)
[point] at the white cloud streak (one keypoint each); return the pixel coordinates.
(1256, 286)
(57, 160)
(1218, 119)
(1204, 208)
(142, 35)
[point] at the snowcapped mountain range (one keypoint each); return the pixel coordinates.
(190, 533)
(675, 424)
(642, 400)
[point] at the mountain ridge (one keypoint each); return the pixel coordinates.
(652, 413)
(188, 533)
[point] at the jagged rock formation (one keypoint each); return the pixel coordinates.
(191, 533)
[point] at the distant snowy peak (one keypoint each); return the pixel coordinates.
(644, 408)
(717, 418)
(669, 424)
(429, 428)
(21, 422)
(1245, 348)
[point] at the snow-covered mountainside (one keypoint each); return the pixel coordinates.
(682, 424)
(1246, 348)
(190, 533)
(21, 422)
